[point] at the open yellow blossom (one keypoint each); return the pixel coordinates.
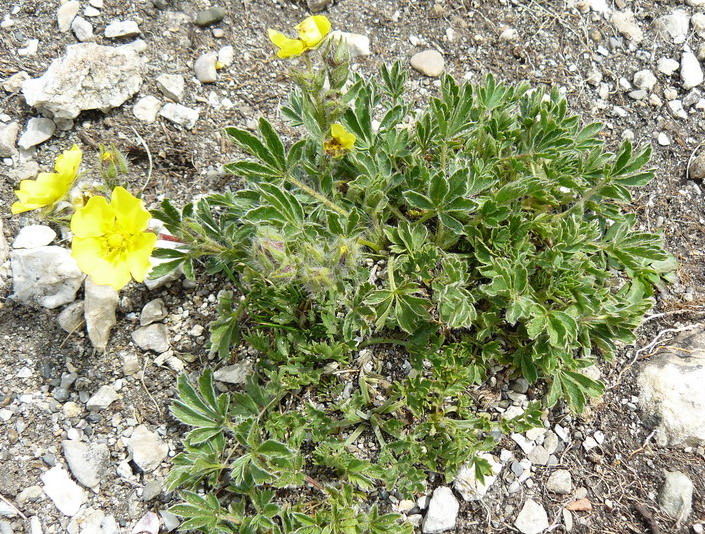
(311, 32)
(110, 243)
(49, 187)
(341, 141)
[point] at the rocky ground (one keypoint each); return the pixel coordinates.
(85, 435)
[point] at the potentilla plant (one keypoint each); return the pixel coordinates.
(110, 241)
(383, 266)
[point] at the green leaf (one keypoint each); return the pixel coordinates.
(252, 145)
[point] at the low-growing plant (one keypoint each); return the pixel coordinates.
(381, 267)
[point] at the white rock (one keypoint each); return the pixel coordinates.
(663, 139)
(171, 522)
(47, 276)
(147, 448)
(600, 6)
(33, 236)
(98, 4)
(698, 21)
(226, 55)
(39, 129)
(66, 14)
(625, 24)
(29, 49)
(122, 29)
(153, 337)
(89, 76)
(691, 72)
(82, 29)
(567, 520)
(148, 524)
(672, 394)
(153, 311)
(509, 34)
(90, 11)
(667, 65)
(532, 519)
(204, 68)
(100, 303)
(469, 487)
(695, 3)
(146, 108)
(64, 492)
(172, 86)
(173, 362)
(87, 462)
(102, 398)
(677, 110)
(645, 79)
(358, 45)
(180, 115)
(675, 25)
(560, 482)
(71, 317)
(428, 62)
(8, 138)
(442, 511)
(14, 83)
(676, 495)
(35, 526)
(235, 374)
(526, 445)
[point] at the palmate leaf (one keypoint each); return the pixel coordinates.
(201, 408)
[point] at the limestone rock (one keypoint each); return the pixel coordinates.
(234, 374)
(428, 62)
(89, 76)
(82, 29)
(469, 487)
(122, 29)
(204, 67)
(532, 518)
(691, 71)
(560, 482)
(8, 138)
(39, 129)
(676, 495)
(64, 492)
(210, 16)
(153, 311)
(442, 511)
(99, 311)
(172, 86)
(674, 25)
(153, 337)
(66, 13)
(625, 24)
(146, 109)
(47, 276)
(102, 398)
(33, 236)
(71, 317)
(358, 45)
(147, 448)
(671, 395)
(87, 462)
(179, 114)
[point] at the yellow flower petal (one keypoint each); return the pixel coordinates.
(287, 47)
(129, 211)
(94, 219)
(68, 162)
(344, 138)
(141, 249)
(313, 29)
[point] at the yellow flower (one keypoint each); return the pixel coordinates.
(311, 32)
(110, 243)
(49, 187)
(313, 29)
(340, 141)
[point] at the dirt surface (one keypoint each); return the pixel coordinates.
(556, 44)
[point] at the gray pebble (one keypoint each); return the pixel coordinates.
(210, 16)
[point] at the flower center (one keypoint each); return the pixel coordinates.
(115, 242)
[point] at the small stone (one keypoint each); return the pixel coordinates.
(122, 29)
(148, 524)
(691, 72)
(33, 236)
(667, 66)
(153, 311)
(35, 526)
(87, 462)
(677, 109)
(14, 83)
(210, 16)
(131, 364)
(147, 448)
(645, 79)
(71, 317)
(153, 337)
(29, 494)
(509, 34)
(676, 495)
(235, 374)
(526, 445)
(358, 45)
(567, 520)
(317, 5)
(226, 55)
(8, 138)
(152, 489)
(171, 521)
(172, 86)
(696, 170)
(539, 455)
(90, 11)
(98, 4)
(204, 67)
(100, 303)
(663, 139)
(626, 24)
(692, 98)
(30, 49)
(7, 510)
(64, 492)
(39, 129)
(442, 511)
(179, 114)
(170, 360)
(467, 484)
(71, 409)
(47, 276)
(82, 29)
(532, 518)
(66, 14)
(675, 25)
(520, 385)
(146, 109)
(102, 398)
(428, 62)
(560, 482)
